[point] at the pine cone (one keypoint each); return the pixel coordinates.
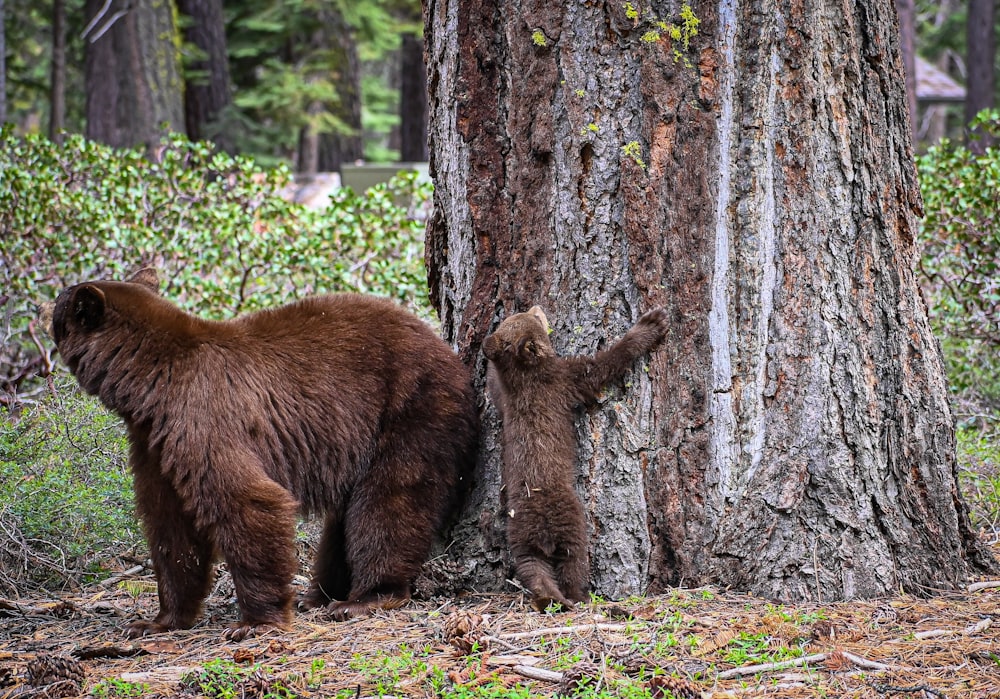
(823, 630)
(884, 613)
(578, 678)
(439, 577)
(61, 677)
(258, 685)
(662, 687)
(464, 630)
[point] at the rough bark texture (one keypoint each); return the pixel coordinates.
(132, 72)
(794, 438)
(207, 90)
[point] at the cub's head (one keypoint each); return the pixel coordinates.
(522, 338)
(81, 309)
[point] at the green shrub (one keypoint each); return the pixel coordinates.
(960, 262)
(65, 492)
(217, 227)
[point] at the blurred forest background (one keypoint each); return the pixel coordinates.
(311, 83)
(318, 83)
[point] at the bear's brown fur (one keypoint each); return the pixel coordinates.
(537, 394)
(343, 405)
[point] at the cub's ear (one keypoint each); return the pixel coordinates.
(87, 306)
(492, 347)
(146, 277)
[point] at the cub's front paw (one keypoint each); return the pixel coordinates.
(652, 326)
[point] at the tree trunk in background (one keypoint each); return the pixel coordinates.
(793, 438)
(982, 48)
(907, 12)
(341, 51)
(57, 87)
(3, 65)
(132, 72)
(208, 89)
(412, 100)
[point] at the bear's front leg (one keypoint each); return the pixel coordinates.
(182, 556)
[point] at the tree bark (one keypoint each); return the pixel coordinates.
(412, 100)
(207, 89)
(981, 83)
(132, 72)
(793, 438)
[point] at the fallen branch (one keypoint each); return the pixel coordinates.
(817, 658)
(537, 673)
(771, 667)
(554, 630)
(984, 585)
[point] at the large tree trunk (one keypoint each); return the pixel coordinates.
(132, 72)
(207, 89)
(793, 439)
(982, 50)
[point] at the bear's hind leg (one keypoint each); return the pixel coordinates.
(388, 531)
(331, 577)
(536, 573)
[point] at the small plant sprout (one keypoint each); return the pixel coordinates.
(538, 38)
(633, 150)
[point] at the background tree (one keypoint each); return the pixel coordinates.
(3, 64)
(794, 437)
(982, 49)
(207, 87)
(133, 81)
(57, 87)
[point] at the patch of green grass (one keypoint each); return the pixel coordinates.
(114, 688)
(749, 649)
(224, 679)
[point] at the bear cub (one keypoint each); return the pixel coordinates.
(537, 395)
(345, 406)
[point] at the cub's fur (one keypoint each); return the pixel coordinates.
(537, 394)
(343, 405)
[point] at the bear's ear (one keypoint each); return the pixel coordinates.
(88, 306)
(527, 350)
(146, 277)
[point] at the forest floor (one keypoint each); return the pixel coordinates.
(691, 643)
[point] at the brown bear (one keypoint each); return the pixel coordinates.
(537, 394)
(343, 405)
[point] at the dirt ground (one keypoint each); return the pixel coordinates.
(690, 643)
